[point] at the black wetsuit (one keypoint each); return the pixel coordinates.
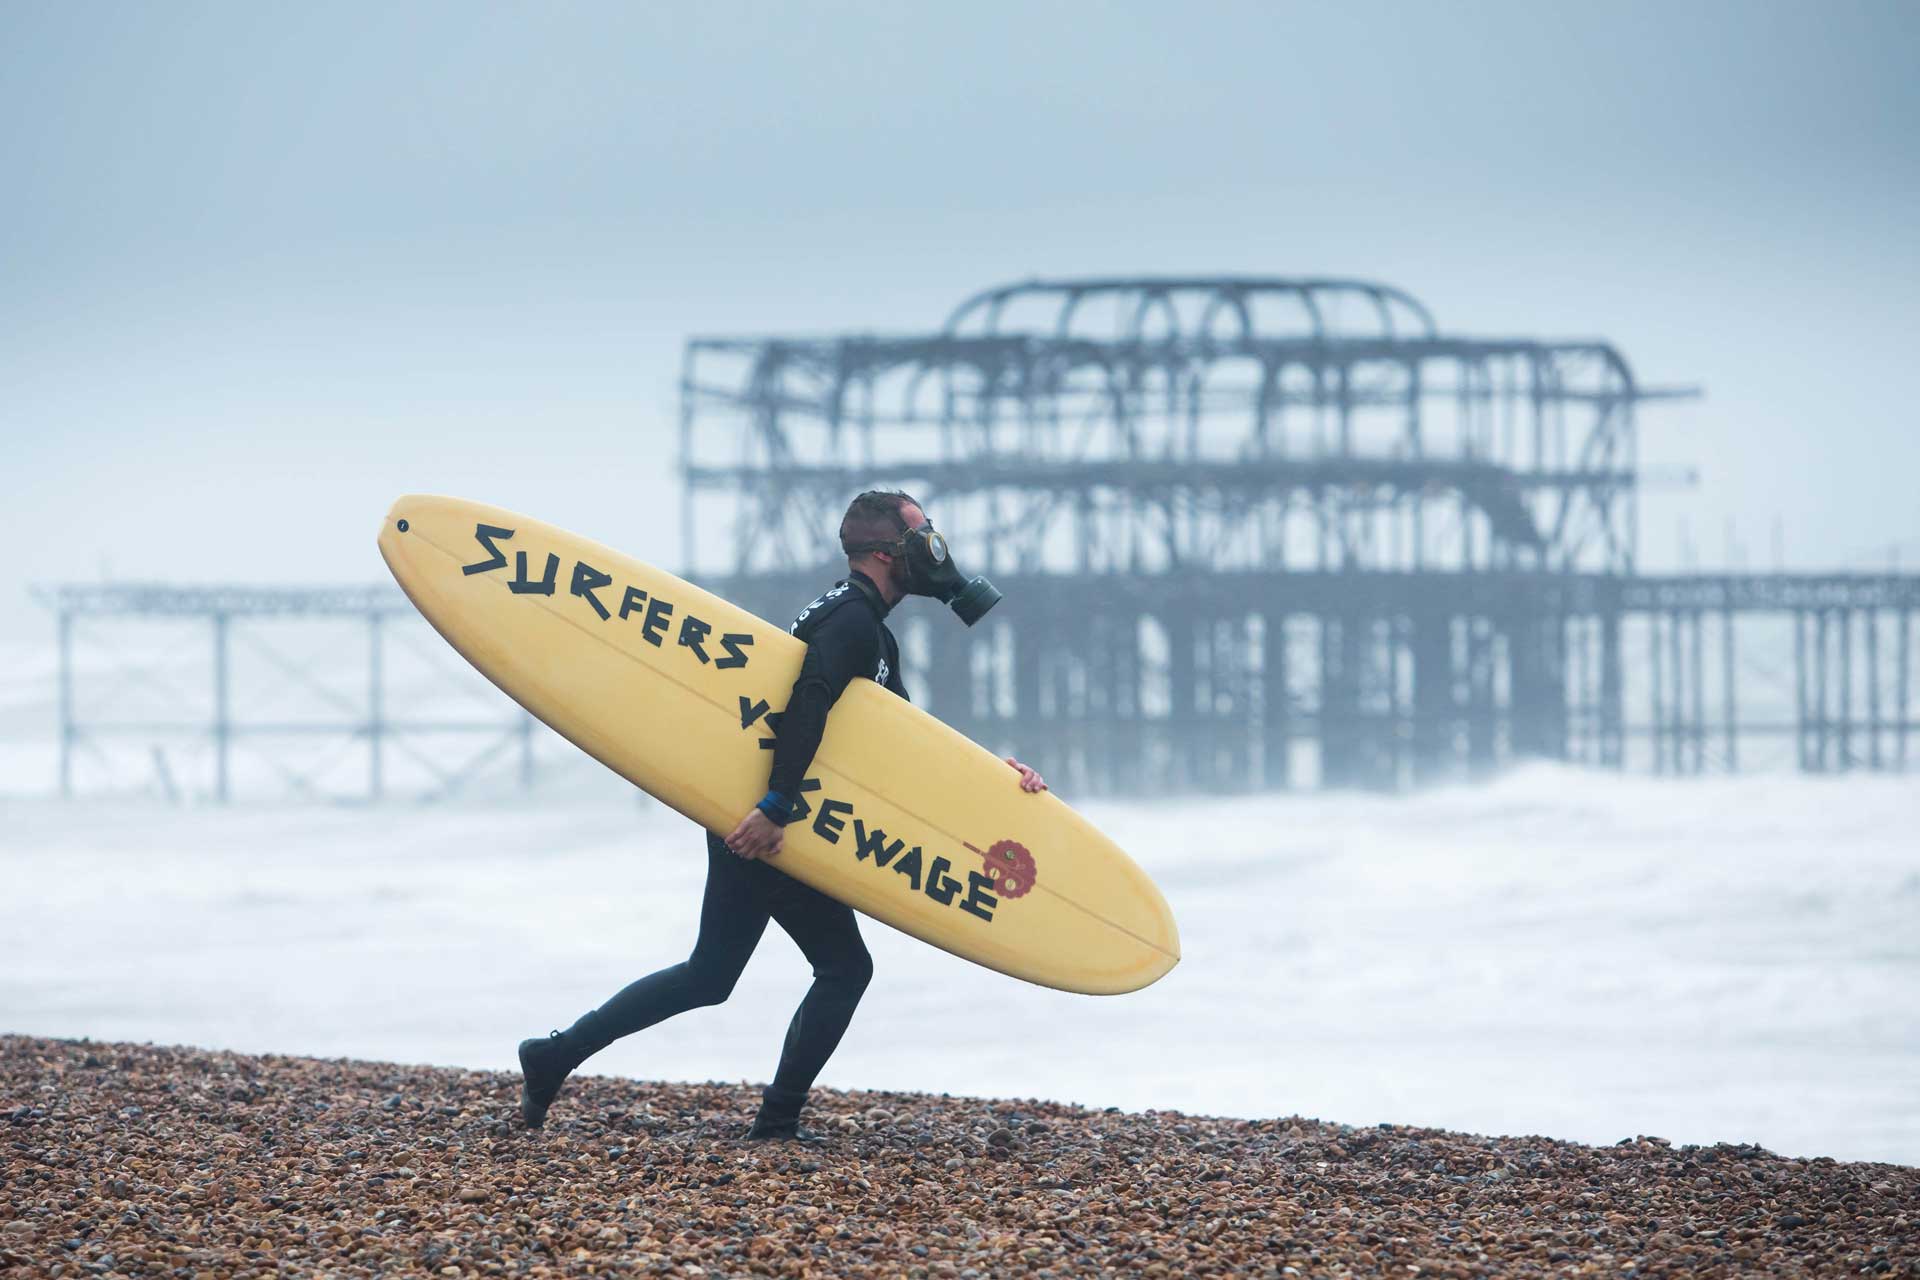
(847, 639)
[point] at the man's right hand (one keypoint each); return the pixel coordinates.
(757, 836)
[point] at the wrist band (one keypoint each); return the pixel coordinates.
(777, 808)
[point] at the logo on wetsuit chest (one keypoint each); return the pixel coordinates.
(834, 594)
(880, 672)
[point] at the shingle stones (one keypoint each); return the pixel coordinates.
(132, 1160)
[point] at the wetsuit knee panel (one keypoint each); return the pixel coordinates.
(709, 985)
(855, 971)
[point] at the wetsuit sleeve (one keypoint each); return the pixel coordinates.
(843, 646)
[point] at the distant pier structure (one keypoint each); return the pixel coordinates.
(1253, 533)
(1258, 533)
(220, 692)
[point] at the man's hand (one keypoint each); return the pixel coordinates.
(1029, 780)
(757, 836)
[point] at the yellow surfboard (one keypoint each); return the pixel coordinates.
(680, 693)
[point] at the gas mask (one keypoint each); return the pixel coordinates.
(930, 571)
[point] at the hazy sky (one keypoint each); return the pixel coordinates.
(265, 267)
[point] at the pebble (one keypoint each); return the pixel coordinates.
(169, 1162)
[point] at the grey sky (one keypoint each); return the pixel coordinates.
(266, 267)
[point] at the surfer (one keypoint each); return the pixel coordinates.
(892, 552)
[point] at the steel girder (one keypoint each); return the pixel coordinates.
(1199, 440)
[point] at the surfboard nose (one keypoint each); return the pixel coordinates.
(406, 509)
(433, 518)
(395, 526)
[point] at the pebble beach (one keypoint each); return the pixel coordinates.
(137, 1160)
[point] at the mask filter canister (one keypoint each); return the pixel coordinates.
(931, 572)
(974, 600)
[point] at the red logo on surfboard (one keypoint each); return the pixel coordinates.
(1010, 866)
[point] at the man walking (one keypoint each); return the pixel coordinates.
(892, 551)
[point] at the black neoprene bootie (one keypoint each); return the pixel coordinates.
(779, 1118)
(545, 1064)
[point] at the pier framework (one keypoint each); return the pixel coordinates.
(1260, 533)
(290, 688)
(1253, 534)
